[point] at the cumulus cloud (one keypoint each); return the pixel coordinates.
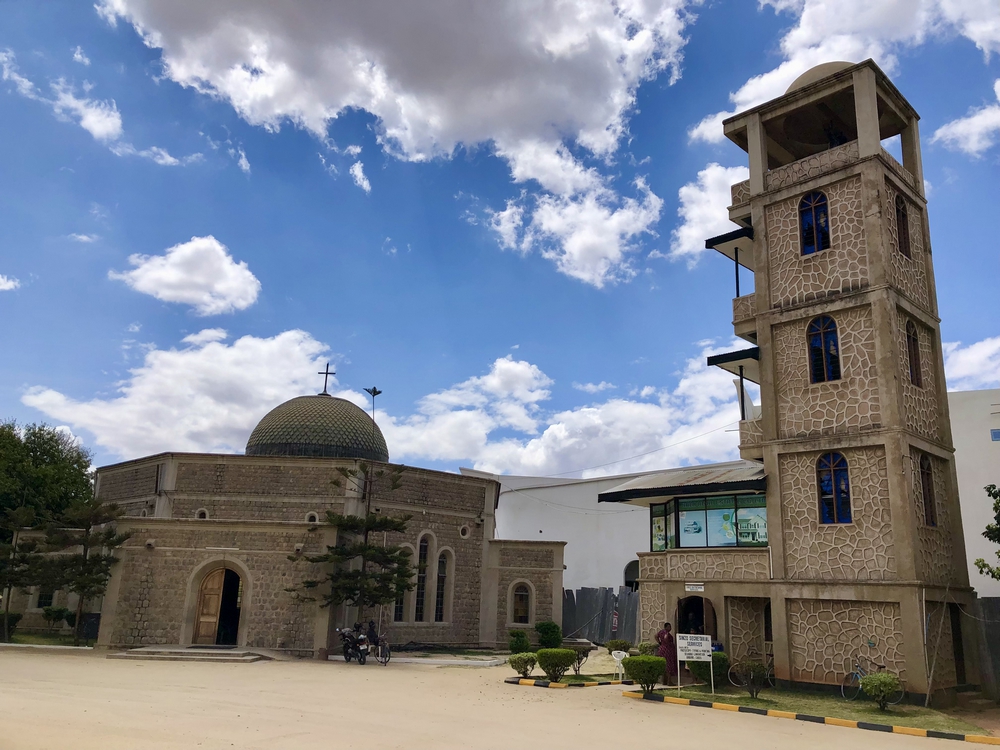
(84, 238)
(975, 366)
(594, 387)
(358, 175)
(205, 397)
(8, 283)
(854, 30)
(80, 57)
(199, 272)
(703, 210)
(549, 87)
(99, 118)
(976, 132)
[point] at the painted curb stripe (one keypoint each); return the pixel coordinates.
(833, 721)
(548, 684)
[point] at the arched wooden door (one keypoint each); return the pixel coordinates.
(209, 603)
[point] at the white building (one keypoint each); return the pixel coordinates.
(975, 427)
(602, 540)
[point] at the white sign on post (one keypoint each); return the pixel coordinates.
(694, 648)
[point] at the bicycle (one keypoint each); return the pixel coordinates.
(382, 651)
(850, 688)
(737, 672)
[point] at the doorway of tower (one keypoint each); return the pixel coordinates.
(696, 616)
(219, 602)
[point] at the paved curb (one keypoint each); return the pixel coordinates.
(431, 662)
(46, 646)
(549, 684)
(978, 738)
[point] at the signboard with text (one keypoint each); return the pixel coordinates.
(694, 647)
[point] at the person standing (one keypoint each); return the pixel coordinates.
(668, 650)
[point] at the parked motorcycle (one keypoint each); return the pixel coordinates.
(356, 644)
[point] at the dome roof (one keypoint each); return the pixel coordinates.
(817, 72)
(319, 425)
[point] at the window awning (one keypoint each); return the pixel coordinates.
(748, 359)
(707, 479)
(736, 245)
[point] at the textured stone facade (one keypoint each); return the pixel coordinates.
(710, 564)
(935, 554)
(825, 635)
(812, 166)
(858, 551)
(797, 278)
(128, 483)
(848, 405)
(907, 274)
(746, 627)
(532, 563)
(744, 308)
(921, 407)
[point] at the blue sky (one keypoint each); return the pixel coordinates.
(493, 215)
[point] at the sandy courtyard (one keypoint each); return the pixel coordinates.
(59, 700)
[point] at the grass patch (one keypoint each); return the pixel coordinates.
(586, 678)
(44, 639)
(819, 704)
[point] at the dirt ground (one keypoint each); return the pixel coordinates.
(83, 701)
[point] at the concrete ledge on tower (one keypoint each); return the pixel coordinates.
(751, 440)
(710, 564)
(739, 212)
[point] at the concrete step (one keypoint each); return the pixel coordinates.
(221, 656)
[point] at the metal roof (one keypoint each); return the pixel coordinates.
(707, 479)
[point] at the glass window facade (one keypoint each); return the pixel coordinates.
(717, 521)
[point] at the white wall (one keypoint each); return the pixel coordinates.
(977, 461)
(601, 538)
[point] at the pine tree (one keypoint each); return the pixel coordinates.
(363, 573)
(20, 561)
(992, 533)
(89, 532)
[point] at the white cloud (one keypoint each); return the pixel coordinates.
(243, 162)
(8, 283)
(352, 150)
(548, 85)
(974, 133)
(200, 273)
(358, 174)
(80, 57)
(975, 366)
(594, 387)
(206, 336)
(206, 397)
(703, 210)
(99, 118)
(854, 30)
(84, 238)
(133, 327)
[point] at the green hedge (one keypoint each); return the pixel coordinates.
(881, 687)
(647, 649)
(549, 634)
(555, 661)
(720, 665)
(618, 644)
(522, 663)
(13, 619)
(646, 670)
(519, 642)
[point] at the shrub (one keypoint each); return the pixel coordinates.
(646, 670)
(752, 675)
(582, 649)
(646, 649)
(519, 643)
(70, 618)
(549, 634)
(55, 615)
(522, 663)
(720, 665)
(12, 620)
(618, 644)
(555, 661)
(881, 687)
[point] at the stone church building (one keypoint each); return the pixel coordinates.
(840, 532)
(211, 536)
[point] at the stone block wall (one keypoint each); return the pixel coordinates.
(538, 564)
(128, 482)
(935, 556)
(797, 278)
(824, 635)
(746, 626)
(254, 507)
(861, 550)
(709, 564)
(908, 275)
(921, 405)
(244, 475)
(848, 405)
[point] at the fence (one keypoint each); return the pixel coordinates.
(590, 613)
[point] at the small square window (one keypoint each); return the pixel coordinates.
(995, 436)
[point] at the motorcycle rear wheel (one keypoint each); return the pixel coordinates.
(362, 657)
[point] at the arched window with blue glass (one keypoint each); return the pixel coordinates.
(814, 223)
(834, 489)
(824, 350)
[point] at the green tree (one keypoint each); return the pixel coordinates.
(90, 534)
(992, 533)
(20, 560)
(363, 572)
(41, 468)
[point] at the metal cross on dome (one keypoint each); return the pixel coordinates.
(326, 375)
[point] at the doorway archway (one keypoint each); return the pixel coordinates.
(217, 617)
(695, 614)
